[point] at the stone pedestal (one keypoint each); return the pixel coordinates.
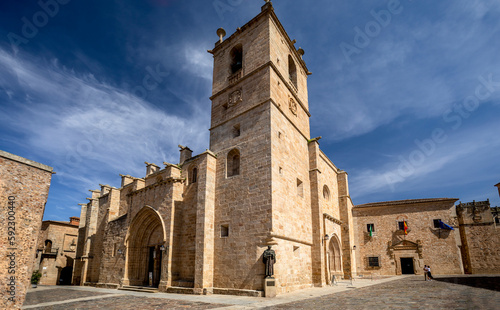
(270, 285)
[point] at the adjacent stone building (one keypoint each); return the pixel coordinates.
(56, 251)
(480, 236)
(24, 187)
(202, 225)
(383, 247)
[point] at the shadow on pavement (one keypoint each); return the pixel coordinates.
(490, 283)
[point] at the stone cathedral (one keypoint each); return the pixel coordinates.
(201, 225)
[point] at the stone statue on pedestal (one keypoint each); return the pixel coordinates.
(269, 258)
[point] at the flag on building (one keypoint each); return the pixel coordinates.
(406, 228)
(371, 232)
(445, 226)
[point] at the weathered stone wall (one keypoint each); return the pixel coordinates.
(424, 243)
(24, 187)
(242, 197)
(291, 214)
(480, 237)
(113, 261)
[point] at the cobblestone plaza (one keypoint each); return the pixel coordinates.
(403, 292)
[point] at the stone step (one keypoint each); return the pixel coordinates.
(180, 290)
(144, 289)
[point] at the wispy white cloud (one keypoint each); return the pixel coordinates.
(444, 163)
(198, 61)
(416, 68)
(89, 129)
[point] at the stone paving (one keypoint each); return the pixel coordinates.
(407, 292)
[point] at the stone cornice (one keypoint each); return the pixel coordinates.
(162, 182)
(274, 235)
(328, 161)
(333, 219)
(26, 161)
(405, 202)
(257, 70)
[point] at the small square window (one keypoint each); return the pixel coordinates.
(373, 261)
(370, 228)
(224, 231)
(436, 223)
(401, 225)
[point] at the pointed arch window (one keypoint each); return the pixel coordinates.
(326, 193)
(48, 246)
(233, 163)
(236, 58)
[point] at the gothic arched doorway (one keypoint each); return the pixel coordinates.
(334, 257)
(145, 236)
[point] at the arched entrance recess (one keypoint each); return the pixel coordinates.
(334, 257)
(145, 236)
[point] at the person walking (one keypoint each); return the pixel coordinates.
(425, 272)
(429, 275)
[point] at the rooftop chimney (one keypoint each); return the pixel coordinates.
(186, 154)
(74, 221)
(151, 168)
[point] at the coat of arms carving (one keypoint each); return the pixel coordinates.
(234, 98)
(293, 106)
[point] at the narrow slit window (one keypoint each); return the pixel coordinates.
(224, 231)
(233, 163)
(194, 175)
(300, 188)
(236, 131)
(292, 71)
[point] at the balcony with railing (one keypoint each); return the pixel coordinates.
(235, 77)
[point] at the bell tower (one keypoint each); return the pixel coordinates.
(260, 133)
(257, 64)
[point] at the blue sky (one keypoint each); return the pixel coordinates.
(406, 94)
